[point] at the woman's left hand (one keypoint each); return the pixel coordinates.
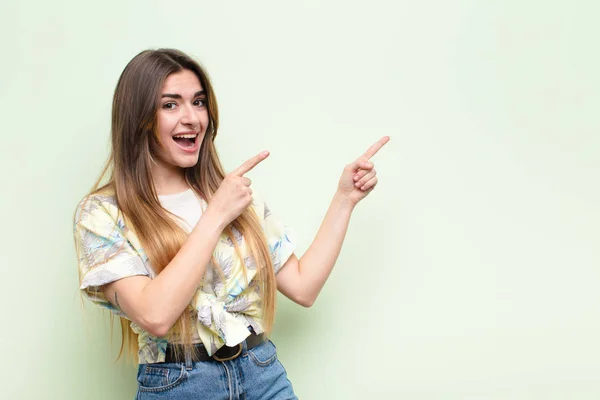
(359, 177)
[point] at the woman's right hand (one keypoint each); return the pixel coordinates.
(156, 304)
(234, 194)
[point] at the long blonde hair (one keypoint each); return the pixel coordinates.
(134, 134)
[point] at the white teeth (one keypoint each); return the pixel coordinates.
(186, 136)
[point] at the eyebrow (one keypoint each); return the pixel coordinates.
(178, 96)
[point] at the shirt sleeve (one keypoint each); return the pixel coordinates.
(104, 254)
(280, 238)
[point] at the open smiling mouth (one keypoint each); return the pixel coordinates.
(187, 141)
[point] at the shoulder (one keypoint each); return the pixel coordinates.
(259, 205)
(98, 206)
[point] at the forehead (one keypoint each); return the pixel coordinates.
(182, 82)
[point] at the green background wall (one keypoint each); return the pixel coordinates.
(470, 273)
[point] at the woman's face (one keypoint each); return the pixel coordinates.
(182, 120)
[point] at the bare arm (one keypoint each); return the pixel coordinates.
(302, 280)
(156, 304)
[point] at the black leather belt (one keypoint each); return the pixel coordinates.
(175, 354)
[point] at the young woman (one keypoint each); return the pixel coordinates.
(187, 255)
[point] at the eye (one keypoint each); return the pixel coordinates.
(200, 102)
(169, 106)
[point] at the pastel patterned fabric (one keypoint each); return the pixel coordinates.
(107, 250)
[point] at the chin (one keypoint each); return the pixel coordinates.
(188, 163)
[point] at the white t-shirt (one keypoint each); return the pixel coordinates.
(186, 205)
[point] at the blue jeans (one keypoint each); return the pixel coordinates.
(256, 374)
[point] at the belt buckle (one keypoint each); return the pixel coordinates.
(236, 355)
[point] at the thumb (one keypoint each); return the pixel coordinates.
(360, 163)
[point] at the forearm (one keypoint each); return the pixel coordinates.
(302, 280)
(317, 263)
(169, 293)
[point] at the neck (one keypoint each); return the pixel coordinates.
(168, 179)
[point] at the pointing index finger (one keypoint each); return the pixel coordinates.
(371, 151)
(251, 163)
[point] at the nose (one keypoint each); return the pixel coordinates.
(189, 117)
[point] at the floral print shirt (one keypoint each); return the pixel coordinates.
(107, 250)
